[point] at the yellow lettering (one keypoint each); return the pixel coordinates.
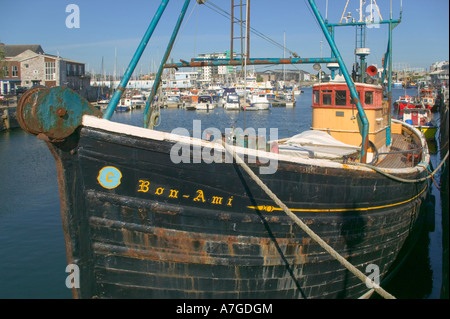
(108, 179)
(173, 193)
(217, 200)
(159, 191)
(230, 200)
(200, 196)
(143, 186)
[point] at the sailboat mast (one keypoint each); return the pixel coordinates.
(115, 63)
(247, 50)
(284, 56)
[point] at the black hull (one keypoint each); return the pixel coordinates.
(208, 231)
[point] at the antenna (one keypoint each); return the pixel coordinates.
(343, 13)
(391, 9)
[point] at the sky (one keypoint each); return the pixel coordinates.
(111, 30)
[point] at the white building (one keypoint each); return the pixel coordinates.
(210, 74)
(180, 80)
(439, 72)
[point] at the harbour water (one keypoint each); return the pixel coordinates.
(32, 252)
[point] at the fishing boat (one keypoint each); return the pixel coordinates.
(422, 119)
(152, 214)
(426, 98)
(405, 101)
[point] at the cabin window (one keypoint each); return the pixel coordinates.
(316, 97)
(340, 97)
(326, 97)
(368, 98)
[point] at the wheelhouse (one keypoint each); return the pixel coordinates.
(335, 112)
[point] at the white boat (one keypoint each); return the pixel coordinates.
(186, 102)
(138, 101)
(172, 100)
(103, 104)
(124, 105)
(297, 92)
(232, 102)
(286, 99)
(205, 102)
(258, 102)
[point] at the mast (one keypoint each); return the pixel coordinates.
(354, 94)
(327, 29)
(387, 60)
(247, 51)
(115, 63)
(148, 114)
(284, 56)
(134, 61)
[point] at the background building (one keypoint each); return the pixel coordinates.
(214, 74)
(439, 73)
(28, 65)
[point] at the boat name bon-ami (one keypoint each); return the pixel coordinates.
(153, 214)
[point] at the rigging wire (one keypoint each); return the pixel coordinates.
(227, 15)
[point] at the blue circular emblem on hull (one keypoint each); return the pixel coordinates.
(109, 177)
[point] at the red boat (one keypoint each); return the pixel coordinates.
(405, 102)
(426, 98)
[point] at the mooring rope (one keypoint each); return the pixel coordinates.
(305, 228)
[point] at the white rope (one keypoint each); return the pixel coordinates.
(306, 229)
